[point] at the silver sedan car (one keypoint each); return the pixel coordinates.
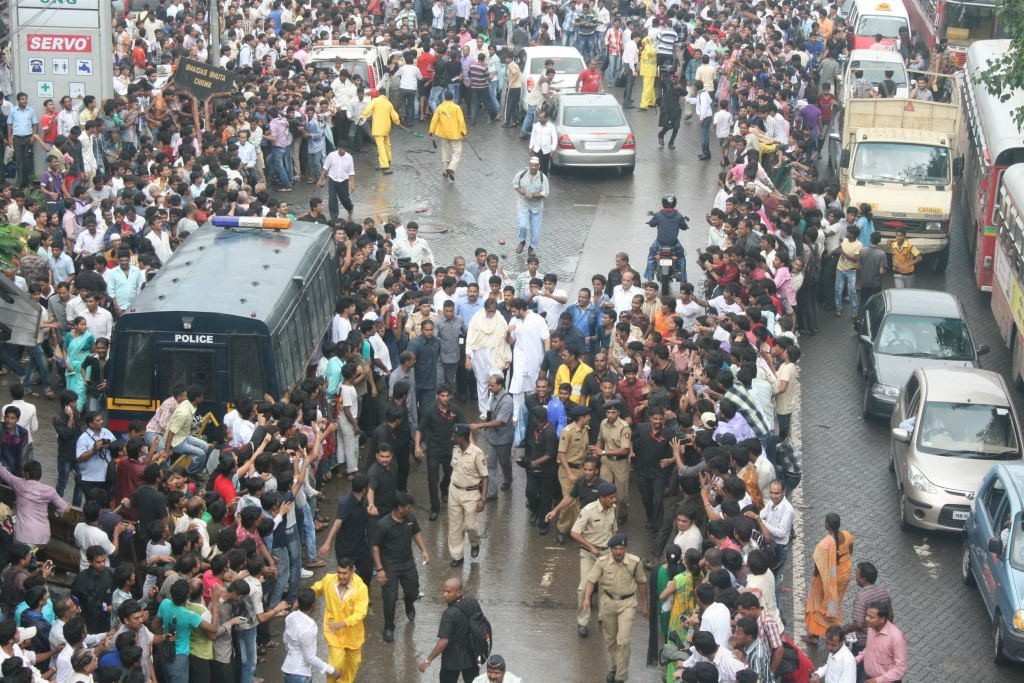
(592, 131)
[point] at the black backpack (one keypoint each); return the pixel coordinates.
(479, 638)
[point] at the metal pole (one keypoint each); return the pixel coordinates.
(214, 51)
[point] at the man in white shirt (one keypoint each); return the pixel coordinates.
(551, 301)
(412, 247)
(300, 641)
(708, 649)
(716, 618)
(98, 320)
(28, 419)
(622, 295)
(840, 667)
(340, 175)
(530, 338)
(89, 241)
(341, 325)
(161, 240)
(543, 140)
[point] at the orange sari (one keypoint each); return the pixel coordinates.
(828, 586)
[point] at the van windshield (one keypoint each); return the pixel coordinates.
(900, 162)
(874, 72)
(352, 66)
(968, 430)
(888, 27)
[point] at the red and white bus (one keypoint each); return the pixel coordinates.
(992, 143)
(961, 22)
(1007, 286)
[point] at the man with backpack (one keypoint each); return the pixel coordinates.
(463, 638)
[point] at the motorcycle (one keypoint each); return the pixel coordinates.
(668, 269)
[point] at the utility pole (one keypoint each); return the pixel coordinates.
(214, 51)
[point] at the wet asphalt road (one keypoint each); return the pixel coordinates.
(525, 582)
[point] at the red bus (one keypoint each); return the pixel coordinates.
(992, 143)
(1007, 286)
(961, 22)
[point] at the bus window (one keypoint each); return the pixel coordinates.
(246, 367)
(137, 365)
(187, 366)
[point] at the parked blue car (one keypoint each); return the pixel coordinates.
(993, 556)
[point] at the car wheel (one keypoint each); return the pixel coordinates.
(966, 574)
(892, 461)
(999, 656)
(904, 524)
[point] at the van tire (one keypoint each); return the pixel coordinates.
(966, 573)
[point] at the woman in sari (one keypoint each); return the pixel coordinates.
(682, 589)
(77, 346)
(833, 563)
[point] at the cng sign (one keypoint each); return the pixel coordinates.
(41, 42)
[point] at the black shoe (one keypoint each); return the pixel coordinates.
(560, 537)
(543, 530)
(456, 563)
(534, 518)
(583, 631)
(610, 678)
(622, 520)
(444, 498)
(387, 171)
(410, 612)
(506, 486)
(389, 635)
(474, 551)
(494, 497)
(433, 515)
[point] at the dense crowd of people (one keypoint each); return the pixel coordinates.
(185, 563)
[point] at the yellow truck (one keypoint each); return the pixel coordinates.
(901, 156)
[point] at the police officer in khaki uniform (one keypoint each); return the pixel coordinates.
(465, 495)
(572, 448)
(619, 577)
(613, 445)
(593, 530)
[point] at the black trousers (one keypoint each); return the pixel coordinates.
(438, 486)
(199, 670)
(338, 193)
(540, 490)
(545, 162)
(341, 125)
(402, 473)
(674, 127)
(408, 578)
(452, 675)
(652, 494)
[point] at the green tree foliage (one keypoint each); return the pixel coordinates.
(1003, 77)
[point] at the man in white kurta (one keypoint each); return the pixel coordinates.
(487, 350)
(530, 339)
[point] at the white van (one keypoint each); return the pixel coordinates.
(568, 65)
(873, 64)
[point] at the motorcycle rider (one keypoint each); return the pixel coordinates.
(668, 222)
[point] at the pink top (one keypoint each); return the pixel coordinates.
(885, 657)
(784, 285)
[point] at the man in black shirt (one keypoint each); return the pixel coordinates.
(434, 439)
(652, 456)
(394, 430)
(92, 589)
(394, 563)
(348, 532)
(541, 461)
(584, 490)
(380, 498)
(453, 644)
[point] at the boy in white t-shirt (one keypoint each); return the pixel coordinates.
(723, 128)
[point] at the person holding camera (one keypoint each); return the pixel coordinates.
(92, 453)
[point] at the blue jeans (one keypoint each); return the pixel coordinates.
(289, 566)
(36, 361)
(247, 654)
(308, 531)
(65, 471)
(297, 678)
(783, 553)
(847, 279)
(705, 136)
(177, 669)
(614, 67)
(436, 95)
(276, 165)
(315, 163)
(197, 448)
(529, 222)
(455, 89)
(652, 260)
(531, 114)
(492, 90)
(289, 161)
(587, 45)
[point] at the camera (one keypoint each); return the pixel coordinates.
(523, 462)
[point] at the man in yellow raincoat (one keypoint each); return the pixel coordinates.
(648, 72)
(449, 124)
(346, 600)
(384, 114)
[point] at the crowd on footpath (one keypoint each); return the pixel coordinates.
(693, 396)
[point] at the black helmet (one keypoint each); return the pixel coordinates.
(668, 201)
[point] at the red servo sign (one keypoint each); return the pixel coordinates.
(42, 42)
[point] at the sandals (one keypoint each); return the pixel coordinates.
(316, 564)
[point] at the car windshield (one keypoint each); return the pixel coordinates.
(352, 66)
(563, 65)
(919, 336)
(968, 430)
(1017, 544)
(889, 27)
(898, 162)
(592, 117)
(874, 72)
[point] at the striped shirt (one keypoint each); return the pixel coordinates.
(746, 407)
(866, 596)
(666, 41)
(479, 76)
